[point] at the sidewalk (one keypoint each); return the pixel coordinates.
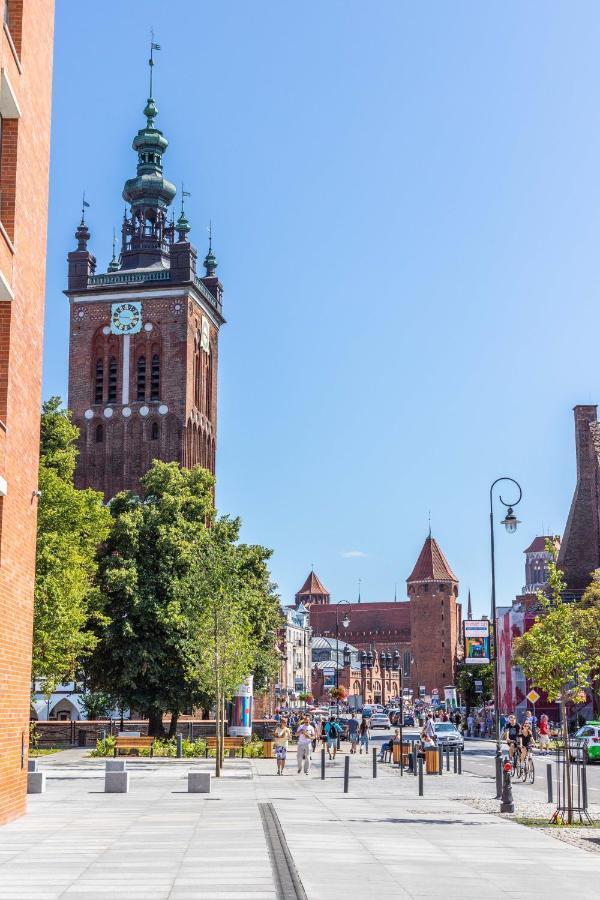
(159, 842)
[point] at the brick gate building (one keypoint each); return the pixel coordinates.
(425, 629)
(25, 94)
(143, 353)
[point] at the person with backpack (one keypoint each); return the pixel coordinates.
(332, 730)
(353, 732)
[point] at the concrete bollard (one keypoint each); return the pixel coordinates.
(116, 765)
(199, 783)
(116, 782)
(32, 765)
(36, 782)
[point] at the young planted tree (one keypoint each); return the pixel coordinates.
(70, 524)
(554, 655)
(466, 677)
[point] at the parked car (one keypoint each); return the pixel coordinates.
(367, 712)
(448, 736)
(393, 713)
(380, 720)
(589, 736)
(409, 720)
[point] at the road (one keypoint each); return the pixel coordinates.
(478, 759)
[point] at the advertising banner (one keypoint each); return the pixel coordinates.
(241, 710)
(477, 642)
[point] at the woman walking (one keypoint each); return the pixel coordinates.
(281, 736)
(364, 733)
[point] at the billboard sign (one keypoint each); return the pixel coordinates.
(477, 642)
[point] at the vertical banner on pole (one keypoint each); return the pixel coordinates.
(241, 709)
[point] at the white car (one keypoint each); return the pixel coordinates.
(380, 720)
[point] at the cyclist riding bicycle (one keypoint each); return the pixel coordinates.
(526, 740)
(512, 732)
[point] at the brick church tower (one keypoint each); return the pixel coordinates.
(312, 593)
(143, 352)
(434, 619)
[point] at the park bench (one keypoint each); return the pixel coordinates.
(229, 743)
(133, 743)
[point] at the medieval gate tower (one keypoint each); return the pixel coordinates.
(143, 351)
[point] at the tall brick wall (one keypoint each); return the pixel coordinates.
(22, 263)
(434, 634)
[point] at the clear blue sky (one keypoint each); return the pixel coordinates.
(406, 212)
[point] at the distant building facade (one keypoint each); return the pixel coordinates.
(295, 655)
(372, 680)
(25, 99)
(425, 630)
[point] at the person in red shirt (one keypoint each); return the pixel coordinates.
(544, 730)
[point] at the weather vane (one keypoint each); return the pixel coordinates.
(153, 46)
(84, 206)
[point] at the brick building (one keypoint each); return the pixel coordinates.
(25, 94)
(580, 549)
(377, 682)
(143, 353)
(425, 629)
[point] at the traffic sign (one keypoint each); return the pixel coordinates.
(533, 696)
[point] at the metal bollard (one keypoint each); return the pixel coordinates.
(323, 764)
(584, 792)
(447, 759)
(414, 756)
(374, 762)
(420, 776)
(440, 761)
(459, 761)
(549, 781)
(346, 773)
(507, 805)
(102, 735)
(455, 760)
(179, 746)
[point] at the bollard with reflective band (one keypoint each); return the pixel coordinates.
(346, 773)
(508, 804)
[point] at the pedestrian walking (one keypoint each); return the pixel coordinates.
(332, 730)
(353, 732)
(470, 723)
(430, 728)
(305, 734)
(281, 737)
(364, 735)
(544, 733)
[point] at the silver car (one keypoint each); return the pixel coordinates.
(448, 736)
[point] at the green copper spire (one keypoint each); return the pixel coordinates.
(113, 266)
(183, 226)
(210, 261)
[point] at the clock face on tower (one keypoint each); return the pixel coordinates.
(126, 318)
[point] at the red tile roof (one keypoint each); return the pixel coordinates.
(538, 544)
(312, 585)
(431, 565)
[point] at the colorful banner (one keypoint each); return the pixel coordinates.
(241, 709)
(477, 642)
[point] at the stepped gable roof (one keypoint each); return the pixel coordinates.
(312, 585)
(431, 565)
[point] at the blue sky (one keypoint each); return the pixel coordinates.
(405, 204)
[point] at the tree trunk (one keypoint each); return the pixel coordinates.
(569, 785)
(155, 723)
(173, 724)
(222, 730)
(218, 724)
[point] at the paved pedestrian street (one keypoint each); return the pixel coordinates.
(158, 841)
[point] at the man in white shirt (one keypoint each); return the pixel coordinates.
(430, 728)
(305, 734)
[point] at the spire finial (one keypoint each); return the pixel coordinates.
(183, 226)
(113, 266)
(84, 206)
(82, 234)
(395, 593)
(210, 262)
(153, 46)
(469, 607)
(429, 521)
(359, 584)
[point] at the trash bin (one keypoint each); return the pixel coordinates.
(406, 754)
(432, 761)
(267, 748)
(81, 737)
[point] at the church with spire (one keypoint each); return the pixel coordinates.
(143, 348)
(425, 630)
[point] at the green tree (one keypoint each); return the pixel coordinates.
(589, 622)
(466, 677)
(70, 524)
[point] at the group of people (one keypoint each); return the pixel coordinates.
(309, 730)
(521, 737)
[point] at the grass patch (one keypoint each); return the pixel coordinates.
(536, 822)
(34, 752)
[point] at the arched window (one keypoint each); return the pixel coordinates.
(155, 378)
(99, 434)
(99, 383)
(207, 388)
(141, 378)
(112, 380)
(154, 431)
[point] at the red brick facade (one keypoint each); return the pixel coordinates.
(143, 351)
(426, 629)
(26, 64)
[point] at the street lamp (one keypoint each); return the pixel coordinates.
(345, 623)
(510, 522)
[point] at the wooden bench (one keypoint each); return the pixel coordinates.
(229, 743)
(133, 743)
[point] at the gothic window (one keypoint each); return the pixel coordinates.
(154, 431)
(99, 434)
(208, 388)
(141, 378)
(406, 664)
(99, 383)
(155, 378)
(112, 380)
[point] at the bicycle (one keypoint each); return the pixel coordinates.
(528, 769)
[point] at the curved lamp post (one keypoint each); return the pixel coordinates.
(510, 522)
(346, 652)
